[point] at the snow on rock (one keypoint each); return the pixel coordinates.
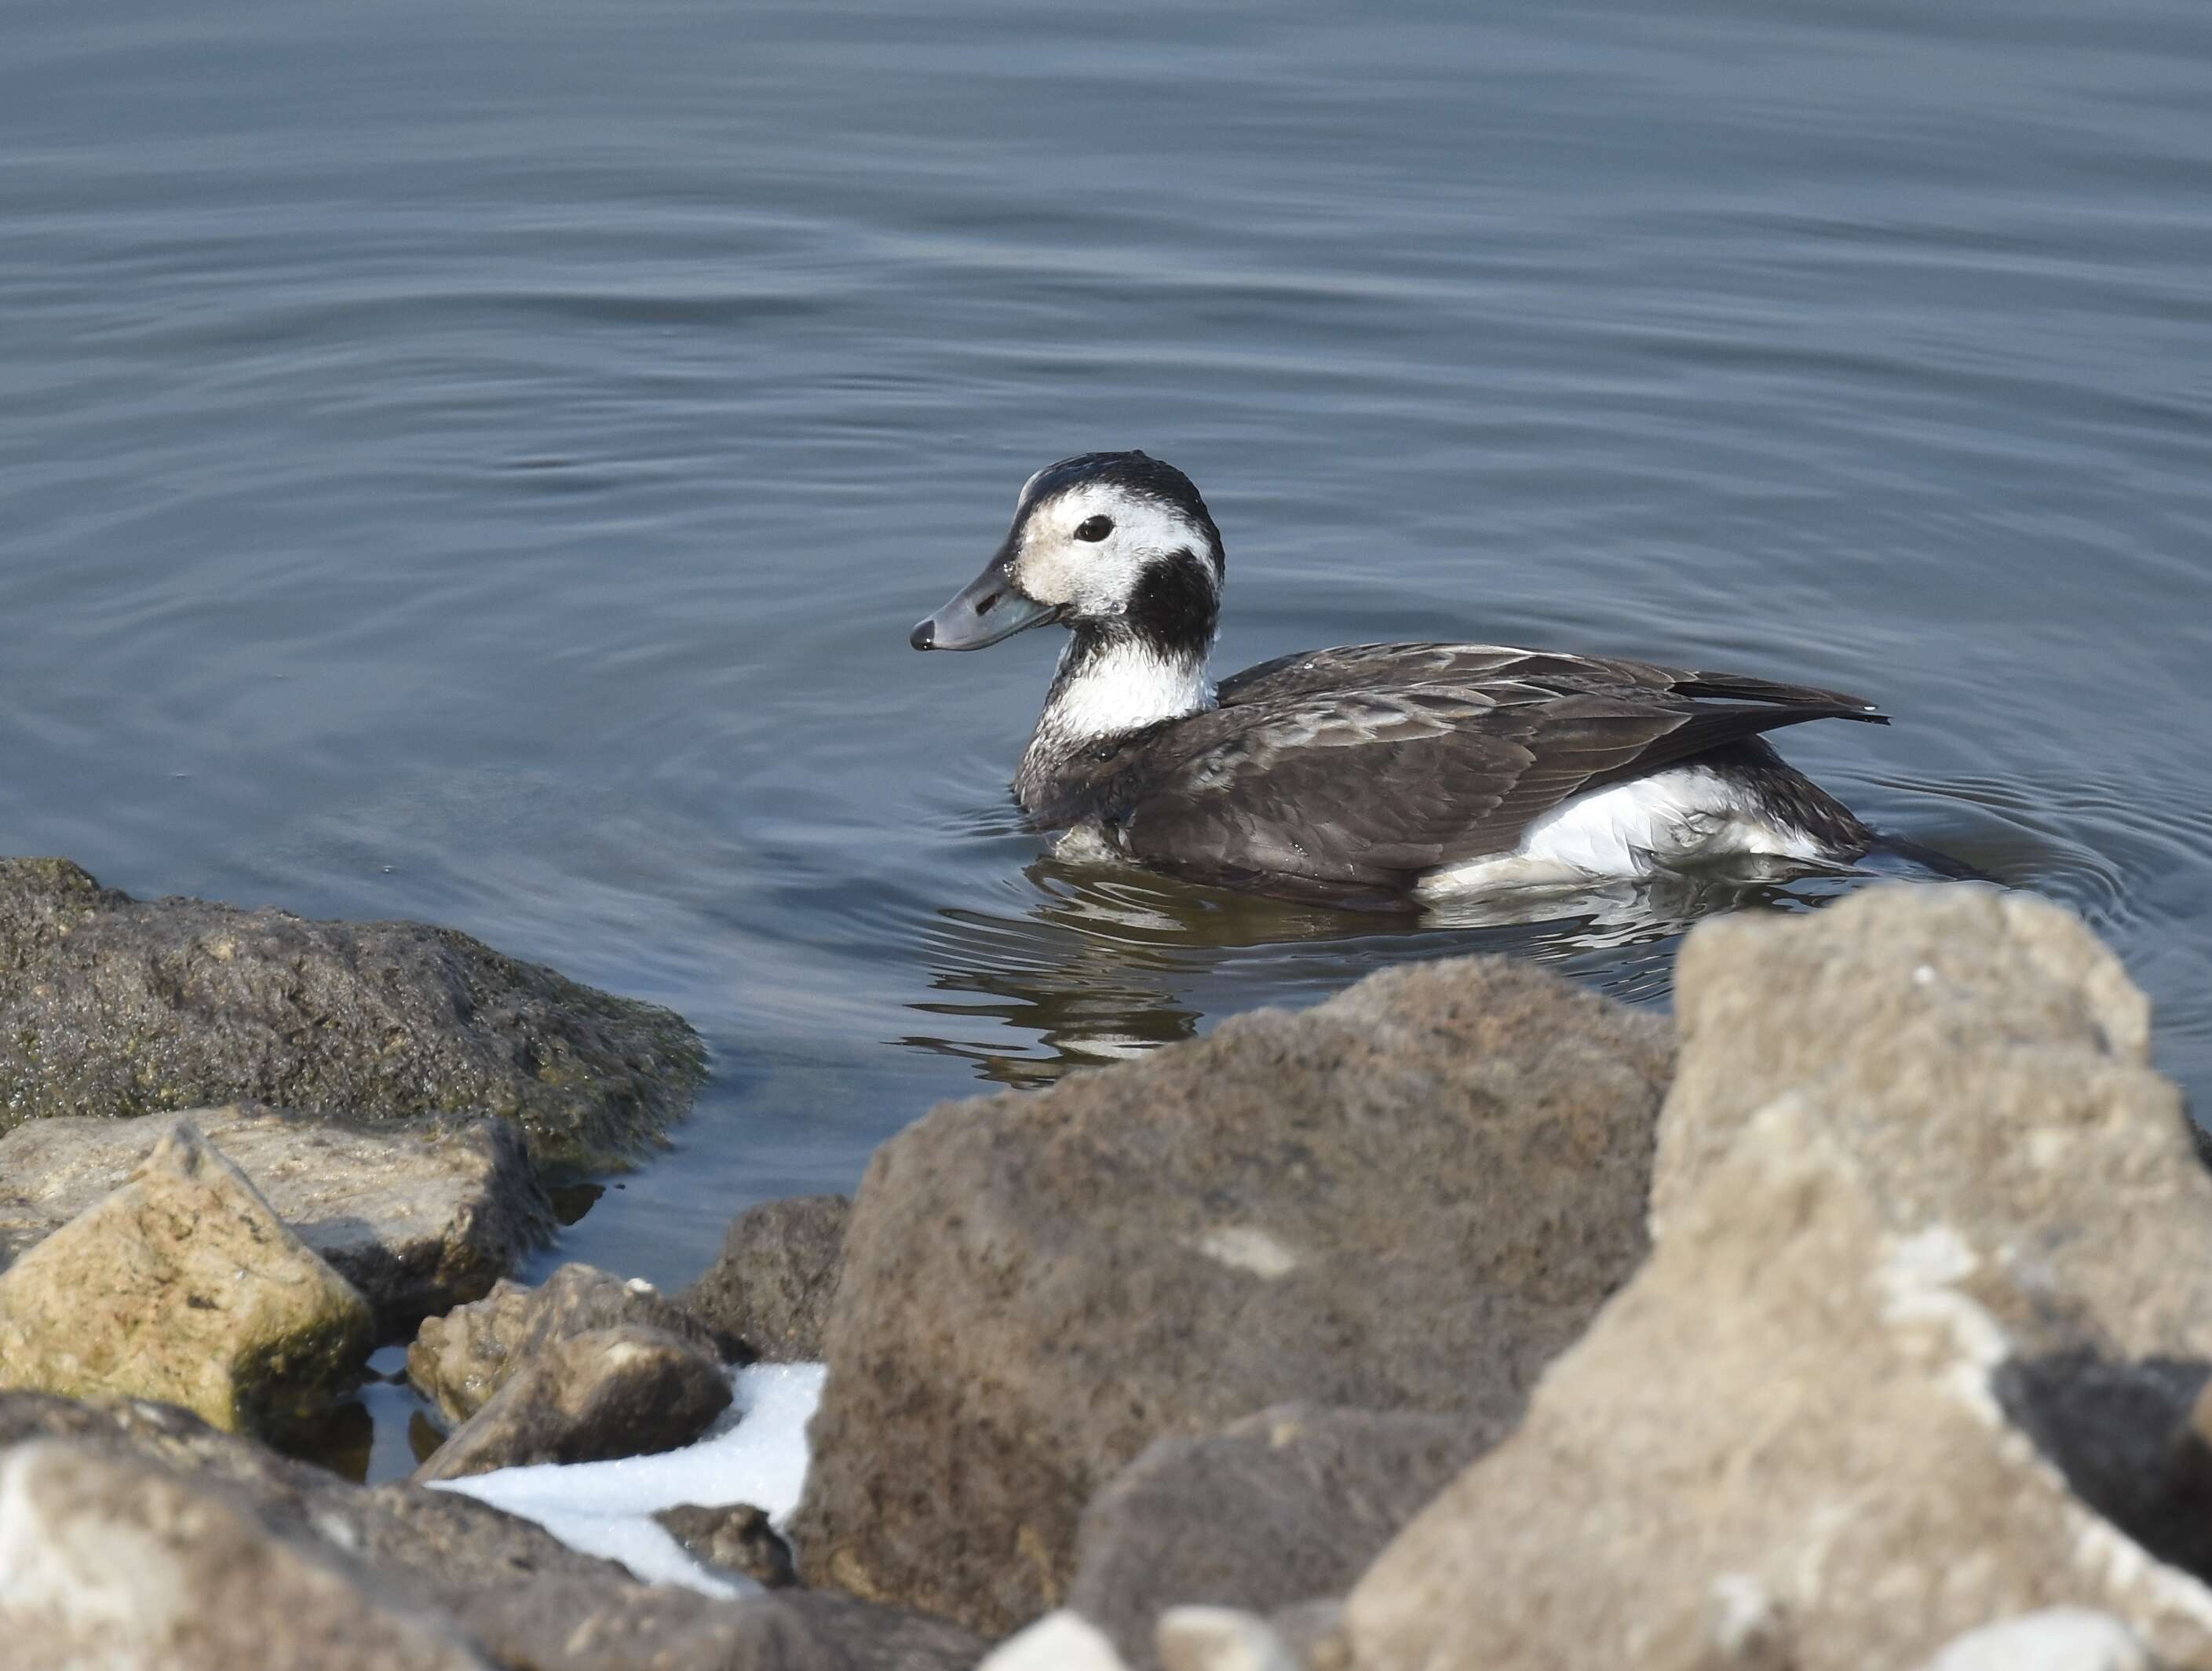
(757, 1454)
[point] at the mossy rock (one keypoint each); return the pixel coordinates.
(114, 1006)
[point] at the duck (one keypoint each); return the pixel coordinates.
(1397, 773)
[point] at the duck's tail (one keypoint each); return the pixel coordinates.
(1928, 859)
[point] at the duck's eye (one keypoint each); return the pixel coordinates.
(1094, 528)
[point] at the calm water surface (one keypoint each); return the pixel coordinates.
(479, 462)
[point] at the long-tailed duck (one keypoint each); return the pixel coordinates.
(1412, 771)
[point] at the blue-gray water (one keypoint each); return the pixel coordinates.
(479, 461)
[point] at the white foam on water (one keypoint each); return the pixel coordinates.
(756, 1453)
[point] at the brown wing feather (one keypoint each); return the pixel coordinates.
(1363, 767)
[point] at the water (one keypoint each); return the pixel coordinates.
(479, 462)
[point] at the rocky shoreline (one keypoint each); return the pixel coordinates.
(1858, 1314)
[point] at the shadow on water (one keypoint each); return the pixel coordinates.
(1109, 962)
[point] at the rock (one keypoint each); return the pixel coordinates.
(1984, 1059)
(1313, 1632)
(2126, 1438)
(1220, 1639)
(1060, 1641)
(113, 1006)
(418, 1219)
(1859, 1401)
(737, 1537)
(552, 1626)
(440, 1545)
(2057, 1639)
(108, 1560)
(768, 1291)
(613, 1392)
(446, 1562)
(461, 1359)
(1409, 1197)
(1289, 1504)
(183, 1286)
(1766, 1004)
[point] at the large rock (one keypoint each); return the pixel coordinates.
(437, 1545)
(1409, 1197)
(108, 1560)
(1278, 1509)
(590, 1398)
(431, 1568)
(768, 1291)
(418, 1219)
(183, 1284)
(1986, 1060)
(114, 1006)
(1859, 1403)
(461, 1359)
(1952, 974)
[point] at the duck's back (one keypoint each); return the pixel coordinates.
(1381, 767)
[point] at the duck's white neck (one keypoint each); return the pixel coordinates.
(1120, 685)
(1107, 687)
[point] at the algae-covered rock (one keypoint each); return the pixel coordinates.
(111, 1005)
(420, 1219)
(183, 1286)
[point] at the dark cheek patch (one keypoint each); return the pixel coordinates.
(1173, 604)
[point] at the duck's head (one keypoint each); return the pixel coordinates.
(1110, 544)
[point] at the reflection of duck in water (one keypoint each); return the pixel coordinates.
(1417, 772)
(1101, 964)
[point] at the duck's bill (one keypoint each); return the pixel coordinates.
(986, 610)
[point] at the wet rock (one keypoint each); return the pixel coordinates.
(768, 1291)
(1279, 1508)
(1409, 1197)
(737, 1537)
(612, 1392)
(113, 1006)
(110, 1560)
(1848, 1410)
(419, 1220)
(183, 1286)
(461, 1359)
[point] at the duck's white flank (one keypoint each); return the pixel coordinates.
(1126, 687)
(1685, 812)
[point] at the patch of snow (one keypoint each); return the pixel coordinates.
(756, 1453)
